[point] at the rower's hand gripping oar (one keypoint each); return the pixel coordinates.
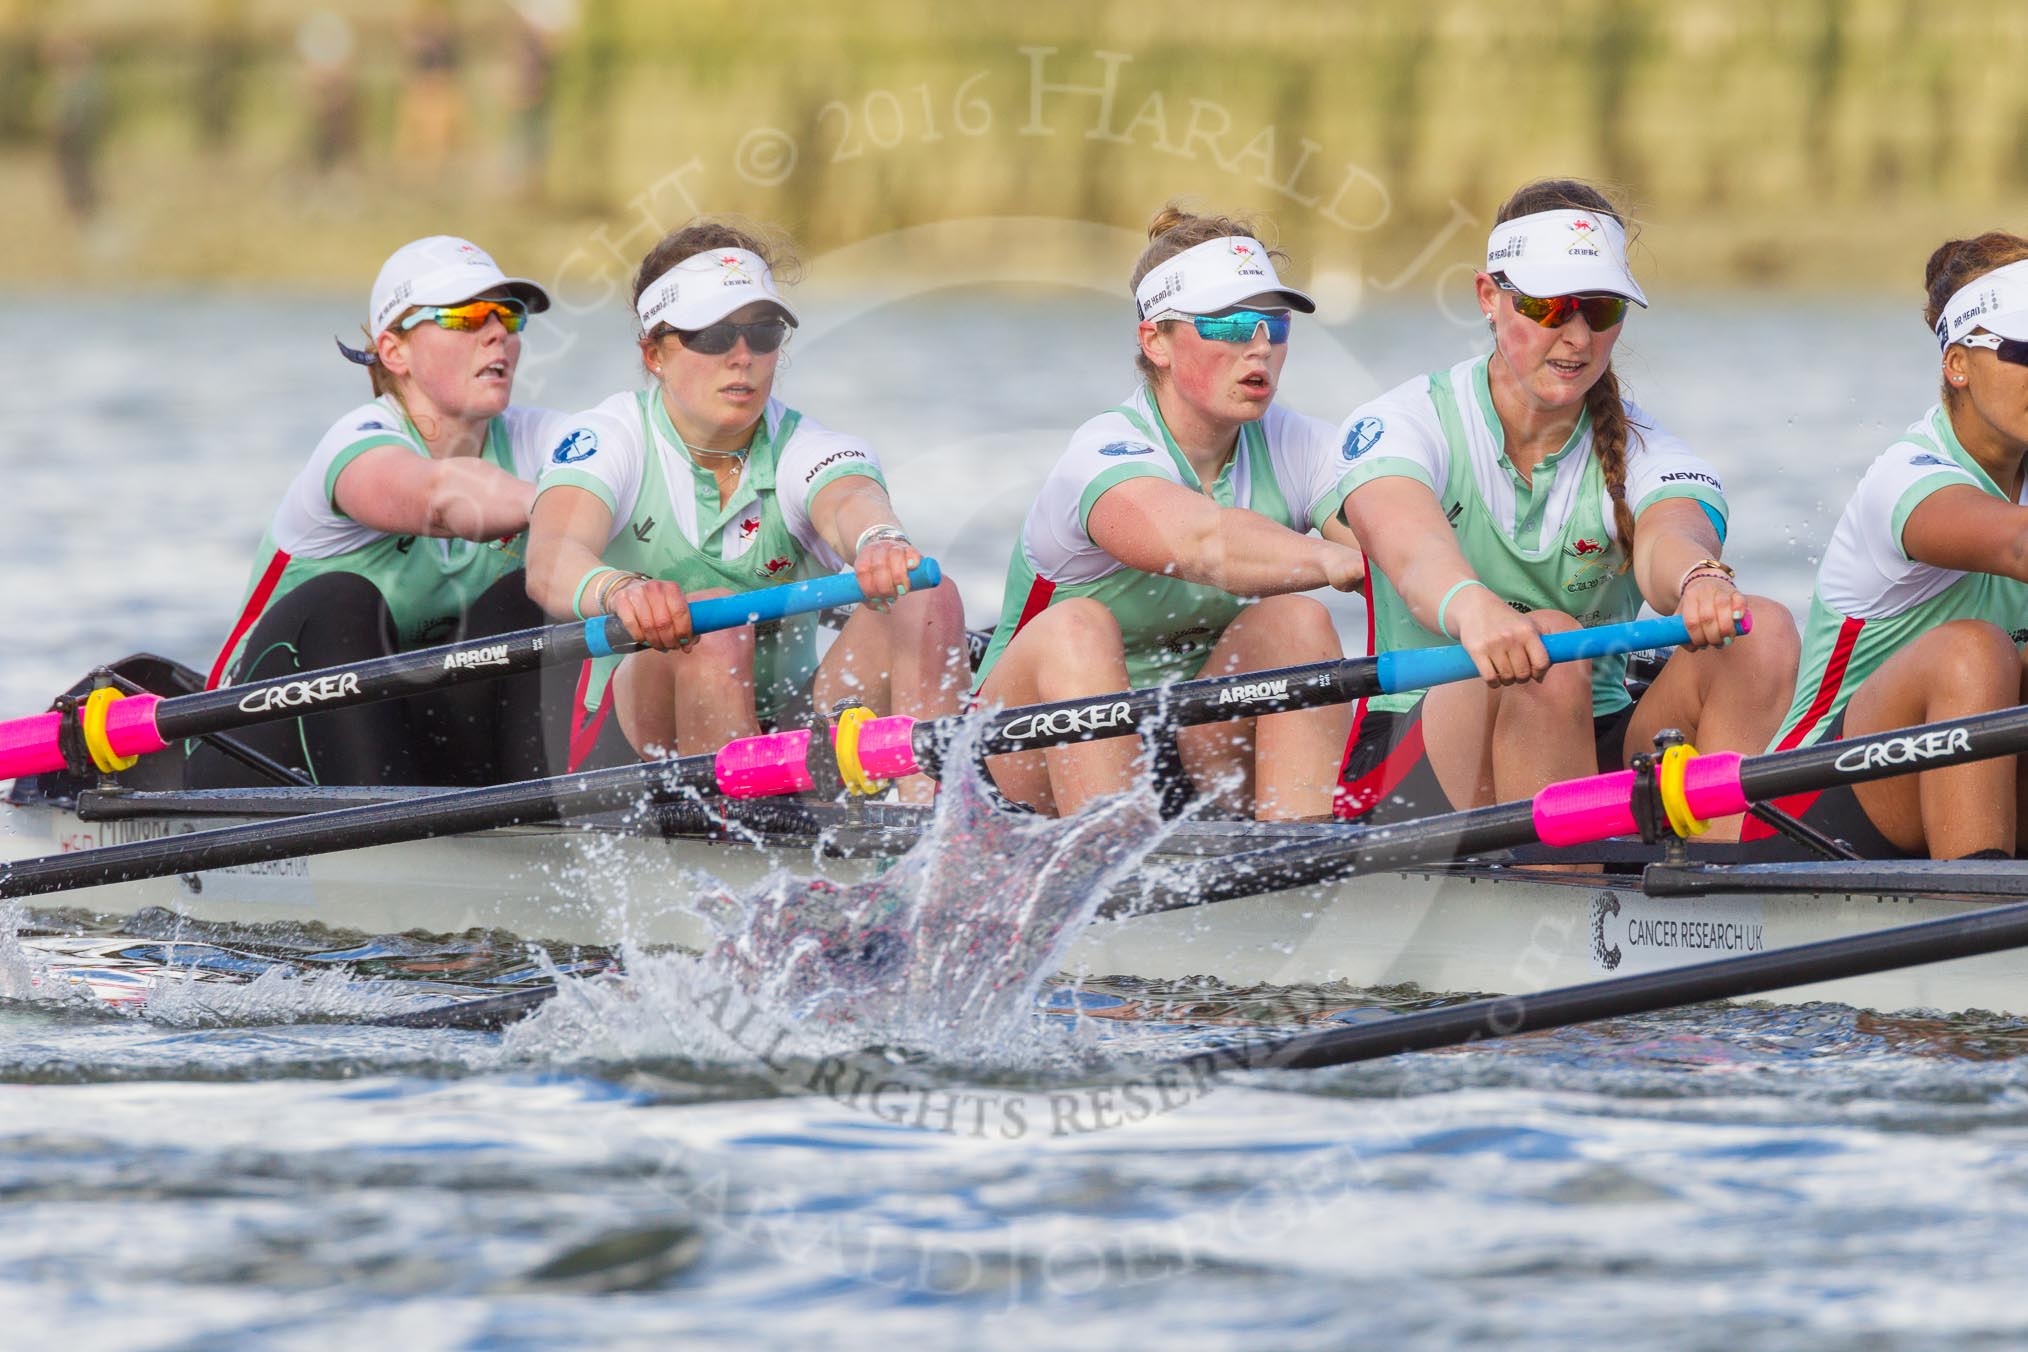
(113, 731)
(875, 749)
(773, 764)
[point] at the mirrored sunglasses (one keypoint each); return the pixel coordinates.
(1235, 326)
(471, 316)
(1553, 312)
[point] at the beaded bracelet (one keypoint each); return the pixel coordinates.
(1706, 567)
(1696, 573)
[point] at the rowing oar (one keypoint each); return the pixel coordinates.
(1573, 812)
(783, 762)
(110, 731)
(1693, 789)
(1883, 950)
(899, 746)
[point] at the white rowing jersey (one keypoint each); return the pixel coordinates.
(1284, 466)
(1548, 541)
(427, 582)
(668, 520)
(1871, 598)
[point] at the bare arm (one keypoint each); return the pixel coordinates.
(1161, 527)
(569, 529)
(846, 508)
(398, 492)
(1338, 533)
(1970, 531)
(1669, 538)
(1409, 540)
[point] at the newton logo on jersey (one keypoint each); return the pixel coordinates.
(1119, 448)
(581, 444)
(1363, 437)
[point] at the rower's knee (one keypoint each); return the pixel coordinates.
(1077, 622)
(943, 609)
(1772, 648)
(1562, 695)
(1072, 649)
(935, 608)
(1298, 624)
(1972, 664)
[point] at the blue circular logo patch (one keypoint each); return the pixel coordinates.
(1362, 437)
(581, 444)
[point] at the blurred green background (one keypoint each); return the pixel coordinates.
(1793, 143)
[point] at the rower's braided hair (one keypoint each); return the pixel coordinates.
(1610, 429)
(1955, 265)
(1174, 229)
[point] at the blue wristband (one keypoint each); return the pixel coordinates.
(1445, 604)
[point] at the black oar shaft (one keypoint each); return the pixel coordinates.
(1339, 852)
(1455, 835)
(1184, 704)
(1929, 941)
(391, 677)
(444, 814)
(1882, 755)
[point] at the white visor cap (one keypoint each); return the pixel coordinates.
(706, 287)
(1996, 302)
(1215, 275)
(442, 270)
(1563, 253)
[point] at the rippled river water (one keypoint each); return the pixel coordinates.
(257, 1165)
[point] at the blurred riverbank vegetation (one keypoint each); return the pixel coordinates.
(275, 141)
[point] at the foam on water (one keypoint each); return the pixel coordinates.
(946, 951)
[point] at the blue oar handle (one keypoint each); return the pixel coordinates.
(1418, 668)
(605, 636)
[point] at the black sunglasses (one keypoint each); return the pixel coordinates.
(715, 340)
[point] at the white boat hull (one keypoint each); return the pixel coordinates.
(1440, 930)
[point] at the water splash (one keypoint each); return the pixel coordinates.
(946, 951)
(21, 972)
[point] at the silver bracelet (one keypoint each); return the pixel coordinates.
(886, 530)
(614, 585)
